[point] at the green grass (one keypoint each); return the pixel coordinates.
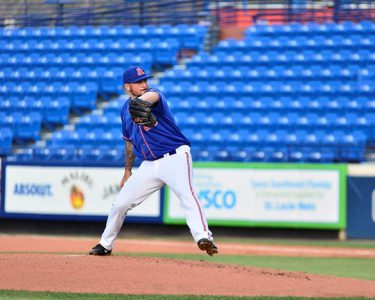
(24, 295)
(360, 268)
(301, 242)
(367, 244)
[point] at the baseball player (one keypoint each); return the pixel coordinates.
(151, 134)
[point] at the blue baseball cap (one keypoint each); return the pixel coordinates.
(134, 74)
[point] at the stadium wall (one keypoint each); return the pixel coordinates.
(233, 194)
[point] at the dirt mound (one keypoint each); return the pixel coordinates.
(145, 275)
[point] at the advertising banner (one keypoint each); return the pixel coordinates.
(67, 190)
(361, 201)
(267, 195)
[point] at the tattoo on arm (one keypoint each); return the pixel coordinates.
(129, 156)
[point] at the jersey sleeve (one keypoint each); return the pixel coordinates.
(162, 103)
(125, 133)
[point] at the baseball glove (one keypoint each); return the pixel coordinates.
(140, 111)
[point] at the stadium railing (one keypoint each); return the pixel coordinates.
(225, 12)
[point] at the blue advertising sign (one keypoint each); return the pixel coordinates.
(361, 207)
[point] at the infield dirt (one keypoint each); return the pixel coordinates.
(40, 263)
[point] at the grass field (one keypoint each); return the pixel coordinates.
(23, 295)
(360, 268)
(366, 244)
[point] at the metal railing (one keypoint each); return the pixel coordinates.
(314, 11)
(141, 12)
(100, 12)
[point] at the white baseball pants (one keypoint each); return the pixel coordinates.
(176, 172)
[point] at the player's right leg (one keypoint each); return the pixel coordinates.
(136, 189)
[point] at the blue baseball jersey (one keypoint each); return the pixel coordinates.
(150, 143)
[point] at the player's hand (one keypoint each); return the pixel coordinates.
(127, 174)
(140, 111)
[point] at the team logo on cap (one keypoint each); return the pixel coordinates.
(140, 72)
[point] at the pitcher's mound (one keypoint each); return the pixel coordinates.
(143, 275)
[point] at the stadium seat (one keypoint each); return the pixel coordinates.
(57, 111)
(6, 138)
(166, 52)
(28, 127)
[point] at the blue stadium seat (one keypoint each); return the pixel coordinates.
(42, 153)
(253, 138)
(6, 138)
(295, 155)
(201, 137)
(332, 138)
(188, 104)
(222, 154)
(68, 137)
(166, 52)
(93, 137)
(112, 154)
(327, 104)
(362, 123)
(89, 153)
(219, 137)
(203, 154)
(55, 153)
(258, 155)
(236, 137)
(239, 155)
(114, 106)
(28, 127)
(57, 111)
(192, 36)
(276, 155)
(318, 155)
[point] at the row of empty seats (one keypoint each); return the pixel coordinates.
(276, 104)
(108, 154)
(64, 59)
(305, 57)
(279, 154)
(295, 42)
(88, 154)
(186, 89)
(284, 73)
(23, 74)
(162, 52)
(253, 120)
(81, 96)
(268, 88)
(327, 28)
(189, 36)
(83, 136)
(86, 45)
(53, 111)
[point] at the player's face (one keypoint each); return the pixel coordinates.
(137, 89)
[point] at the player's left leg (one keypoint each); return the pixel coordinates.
(176, 172)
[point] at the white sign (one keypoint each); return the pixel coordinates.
(68, 191)
(266, 195)
(361, 170)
